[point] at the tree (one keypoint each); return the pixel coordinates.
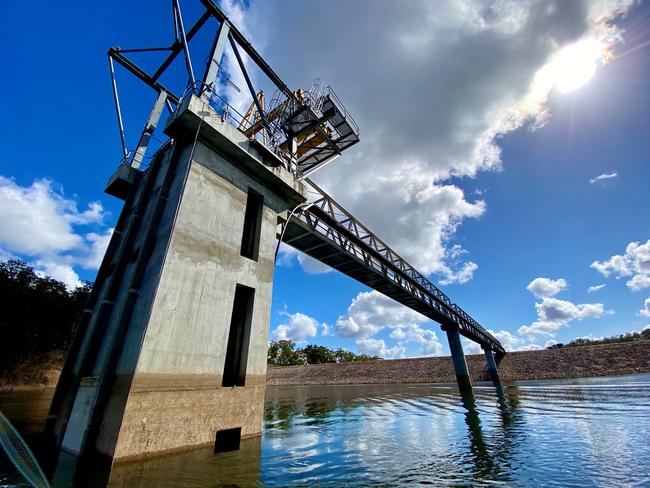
(38, 313)
(283, 353)
(344, 356)
(318, 354)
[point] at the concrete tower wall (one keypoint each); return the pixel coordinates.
(149, 375)
(179, 371)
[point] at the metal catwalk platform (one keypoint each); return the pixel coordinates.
(325, 231)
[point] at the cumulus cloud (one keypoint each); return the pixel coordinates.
(645, 311)
(371, 312)
(41, 224)
(552, 314)
(634, 263)
(432, 85)
(287, 255)
(590, 337)
(602, 177)
(453, 269)
(595, 288)
(515, 342)
(297, 327)
(377, 347)
(545, 287)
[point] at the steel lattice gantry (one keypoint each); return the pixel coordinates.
(324, 230)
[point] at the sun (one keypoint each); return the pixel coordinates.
(575, 65)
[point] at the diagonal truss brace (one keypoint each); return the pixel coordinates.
(328, 219)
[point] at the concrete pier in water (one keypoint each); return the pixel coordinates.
(458, 359)
(172, 349)
(492, 368)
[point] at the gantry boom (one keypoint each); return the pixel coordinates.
(327, 232)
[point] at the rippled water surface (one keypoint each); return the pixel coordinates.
(588, 432)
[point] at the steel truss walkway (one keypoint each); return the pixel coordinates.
(324, 230)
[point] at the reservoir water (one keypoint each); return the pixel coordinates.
(578, 432)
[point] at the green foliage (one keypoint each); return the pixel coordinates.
(318, 354)
(643, 335)
(38, 313)
(284, 353)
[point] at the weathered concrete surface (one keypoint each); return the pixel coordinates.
(158, 356)
(176, 399)
(568, 362)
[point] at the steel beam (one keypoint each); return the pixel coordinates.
(214, 63)
(492, 370)
(249, 49)
(115, 54)
(458, 358)
(149, 129)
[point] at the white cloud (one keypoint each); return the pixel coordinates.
(545, 287)
(371, 312)
(39, 223)
(595, 288)
(590, 337)
(297, 327)
(512, 342)
(552, 314)
(602, 177)
(454, 270)
(326, 330)
(645, 311)
(471, 347)
(634, 263)
(287, 255)
(97, 244)
(377, 347)
(461, 75)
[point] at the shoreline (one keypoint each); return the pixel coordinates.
(567, 362)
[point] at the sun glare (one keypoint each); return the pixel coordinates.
(575, 65)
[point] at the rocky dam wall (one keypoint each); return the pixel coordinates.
(567, 362)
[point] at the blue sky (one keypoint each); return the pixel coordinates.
(467, 168)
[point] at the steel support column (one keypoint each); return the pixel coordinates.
(458, 358)
(214, 64)
(149, 129)
(492, 369)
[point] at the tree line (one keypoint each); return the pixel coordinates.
(284, 353)
(643, 335)
(37, 315)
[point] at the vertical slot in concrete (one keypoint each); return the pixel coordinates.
(227, 440)
(234, 371)
(250, 244)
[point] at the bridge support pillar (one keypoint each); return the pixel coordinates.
(171, 351)
(458, 358)
(492, 369)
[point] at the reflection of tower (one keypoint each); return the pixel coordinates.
(482, 458)
(171, 352)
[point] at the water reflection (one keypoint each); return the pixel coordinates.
(552, 433)
(199, 467)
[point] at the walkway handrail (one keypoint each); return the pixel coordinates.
(329, 219)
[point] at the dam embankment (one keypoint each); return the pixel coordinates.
(567, 362)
